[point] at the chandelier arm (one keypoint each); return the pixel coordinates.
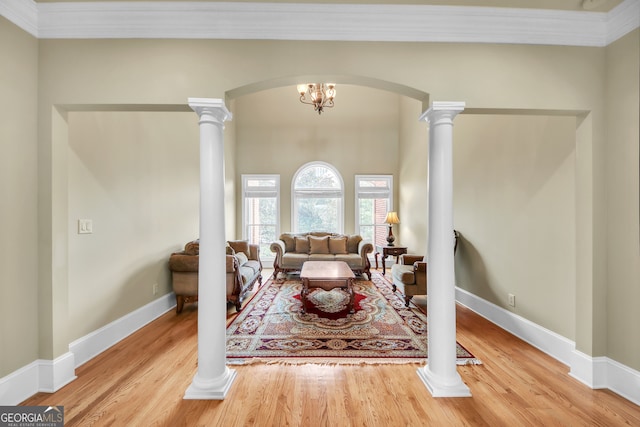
(329, 104)
(303, 99)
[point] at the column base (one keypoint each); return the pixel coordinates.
(211, 389)
(453, 387)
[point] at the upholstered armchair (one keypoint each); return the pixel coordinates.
(410, 276)
(243, 270)
(184, 274)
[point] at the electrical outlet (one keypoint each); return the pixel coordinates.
(512, 300)
(155, 289)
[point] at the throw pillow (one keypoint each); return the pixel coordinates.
(338, 245)
(230, 250)
(353, 242)
(319, 245)
(240, 246)
(242, 258)
(302, 245)
(289, 242)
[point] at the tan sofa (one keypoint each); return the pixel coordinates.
(292, 250)
(243, 269)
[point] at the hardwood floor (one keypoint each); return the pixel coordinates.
(141, 382)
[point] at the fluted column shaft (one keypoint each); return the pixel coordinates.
(213, 378)
(440, 374)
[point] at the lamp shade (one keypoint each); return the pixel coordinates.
(302, 88)
(392, 218)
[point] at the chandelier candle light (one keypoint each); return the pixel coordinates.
(320, 95)
(392, 218)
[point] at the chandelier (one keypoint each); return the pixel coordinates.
(320, 95)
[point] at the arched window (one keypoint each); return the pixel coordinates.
(317, 199)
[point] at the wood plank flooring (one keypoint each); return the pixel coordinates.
(141, 382)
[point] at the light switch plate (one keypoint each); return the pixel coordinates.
(85, 226)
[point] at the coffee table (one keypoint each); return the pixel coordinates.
(326, 275)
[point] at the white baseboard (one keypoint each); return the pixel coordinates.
(602, 372)
(50, 375)
(595, 372)
(20, 384)
(89, 346)
(39, 375)
(55, 374)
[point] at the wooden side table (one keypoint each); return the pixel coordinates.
(386, 251)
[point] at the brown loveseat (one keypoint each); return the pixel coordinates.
(292, 250)
(243, 269)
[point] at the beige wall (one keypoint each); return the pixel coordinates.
(101, 74)
(18, 192)
(136, 176)
(411, 185)
(514, 204)
(623, 219)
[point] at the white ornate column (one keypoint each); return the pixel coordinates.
(213, 378)
(440, 374)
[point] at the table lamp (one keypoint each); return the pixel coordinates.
(392, 218)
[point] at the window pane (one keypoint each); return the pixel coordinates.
(316, 214)
(372, 215)
(261, 223)
(260, 220)
(381, 233)
(262, 235)
(373, 197)
(317, 177)
(383, 183)
(261, 210)
(317, 199)
(366, 210)
(367, 232)
(261, 183)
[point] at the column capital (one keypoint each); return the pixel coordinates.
(212, 109)
(442, 110)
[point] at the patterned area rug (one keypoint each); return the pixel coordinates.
(272, 329)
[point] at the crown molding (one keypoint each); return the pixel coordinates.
(23, 13)
(341, 22)
(622, 20)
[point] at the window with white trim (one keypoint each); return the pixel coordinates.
(374, 198)
(261, 211)
(317, 199)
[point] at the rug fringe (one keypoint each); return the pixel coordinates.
(463, 362)
(324, 362)
(339, 361)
